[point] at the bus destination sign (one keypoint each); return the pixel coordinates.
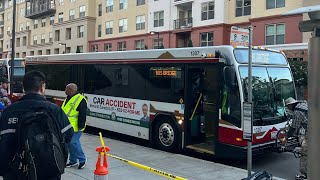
(165, 72)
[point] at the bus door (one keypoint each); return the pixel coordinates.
(204, 86)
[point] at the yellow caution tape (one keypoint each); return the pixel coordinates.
(150, 169)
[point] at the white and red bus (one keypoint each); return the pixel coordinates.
(186, 98)
(19, 71)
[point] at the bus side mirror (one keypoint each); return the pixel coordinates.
(230, 77)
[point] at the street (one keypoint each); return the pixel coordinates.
(282, 165)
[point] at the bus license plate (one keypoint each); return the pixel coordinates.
(274, 134)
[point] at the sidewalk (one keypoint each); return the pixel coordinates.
(176, 164)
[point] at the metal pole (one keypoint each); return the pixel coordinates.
(249, 155)
(13, 47)
(314, 107)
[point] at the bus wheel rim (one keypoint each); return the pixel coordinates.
(166, 134)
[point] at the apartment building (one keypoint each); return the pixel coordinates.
(121, 25)
(49, 26)
(57, 26)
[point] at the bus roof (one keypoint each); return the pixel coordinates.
(195, 54)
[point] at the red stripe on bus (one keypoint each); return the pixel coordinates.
(126, 61)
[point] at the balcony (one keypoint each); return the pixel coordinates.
(39, 10)
(182, 2)
(183, 24)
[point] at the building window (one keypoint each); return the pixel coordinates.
(71, 14)
(109, 6)
(56, 50)
(21, 27)
(80, 48)
(18, 42)
(139, 44)
(122, 46)
(50, 37)
(28, 26)
(80, 31)
(107, 47)
(43, 22)
(109, 27)
(24, 41)
(123, 4)
(82, 11)
(35, 39)
(158, 19)
(43, 38)
(61, 2)
(24, 54)
(68, 49)
(140, 2)
(207, 10)
(39, 52)
(22, 12)
(31, 53)
(68, 33)
(94, 48)
(57, 35)
(48, 52)
(158, 43)
(60, 17)
(100, 10)
(123, 25)
(51, 20)
(206, 39)
(8, 30)
(275, 34)
(140, 22)
(72, 0)
(271, 4)
(35, 24)
(243, 8)
(99, 30)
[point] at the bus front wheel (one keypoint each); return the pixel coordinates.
(166, 134)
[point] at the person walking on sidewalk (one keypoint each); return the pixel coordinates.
(4, 83)
(75, 107)
(32, 103)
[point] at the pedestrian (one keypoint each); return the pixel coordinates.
(4, 84)
(75, 106)
(299, 112)
(14, 117)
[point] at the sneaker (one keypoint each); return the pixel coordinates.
(71, 165)
(301, 177)
(82, 165)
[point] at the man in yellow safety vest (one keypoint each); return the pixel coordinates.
(75, 107)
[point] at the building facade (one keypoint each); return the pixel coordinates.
(68, 26)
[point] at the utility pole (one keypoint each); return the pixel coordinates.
(13, 47)
(249, 153)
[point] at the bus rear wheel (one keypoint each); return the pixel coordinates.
(166, 135)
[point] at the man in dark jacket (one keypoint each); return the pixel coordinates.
(34, 87)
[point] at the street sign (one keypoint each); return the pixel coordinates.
(247, 121)
(239, 36)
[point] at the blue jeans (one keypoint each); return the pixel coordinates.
(75, 149)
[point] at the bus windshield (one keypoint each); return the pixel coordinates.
(260, 57)
(270, 86)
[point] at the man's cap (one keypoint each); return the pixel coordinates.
(4, 80)
(290, 100)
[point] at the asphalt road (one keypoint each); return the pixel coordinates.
(282, 165)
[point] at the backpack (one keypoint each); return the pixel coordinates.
(42, 152)
(263, 175)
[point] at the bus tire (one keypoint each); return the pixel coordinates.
(166, 134)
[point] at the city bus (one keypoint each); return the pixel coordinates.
(178, 99)
(19, 71)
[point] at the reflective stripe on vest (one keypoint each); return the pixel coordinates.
(70, 108)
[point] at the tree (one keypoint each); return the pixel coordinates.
(190, 44)
(300, 72)
(78, 50)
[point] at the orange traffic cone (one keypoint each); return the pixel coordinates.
(101, 172)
